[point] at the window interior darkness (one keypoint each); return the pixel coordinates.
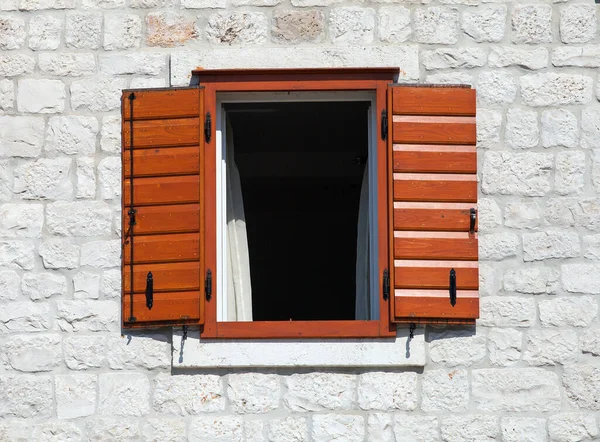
(301, 167)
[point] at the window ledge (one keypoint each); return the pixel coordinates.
(398, 352)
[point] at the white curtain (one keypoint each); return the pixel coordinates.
(239, 290)
(362, 305)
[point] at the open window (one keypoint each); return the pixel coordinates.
(299, 203)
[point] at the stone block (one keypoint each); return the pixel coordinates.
(103, 4)
(81, 218)
(122, 31)
(498, 246)
(254, 430)
(75, 395)
(188, 395)
(522, 130)
(133, 64)
(46, 178)
(522, 215)
(504, 346)
(550, 347)
(110, 135)
(589, 341)
(84, 352)
(578, 23)
(246, 28)
(17, 254)
(71, 135)
(32, 353)
(568, 312)
(204, 4)
(489, 124)
(116, 429)
(590, 128)
(506, 311)
(572, 427)
(524, 57)
(13, 32)
(568, 212)
(21, 220)
(26, 396)
(540, 246)
(298, 26)
(83, 30)
(289, 429)
(10, 285)
(216, 429)
(41, 96)
(488, 280)
(532, 23)
(6, 180)
(387, 391)
(496, 88)
(164, 430)
(436, 25)
(352, 25)
(18, 317)
(43, 285)
(380, 427)
(51, 431)
(44, 33)
(109, 178)
(559, 128)
(394, 24)
(552, 89)
(523, 429)
(531, 280)
(168, 29)
(445, 390)
(569, 174)
(409, 427)
(101, 254)
(133, 351)
(320, 391)
(7, 94)
(21, 136)
(111, 284)
(38, 5)
(581, 278)
(86, 285)
(470, 428)
(582, 386)
(86, 178)
(253, 392)
(98, 94)
(521, 174)
(123, 394)
(452, 58)
(515, 390)
(327, 427)
(453, 348)
(87, 315)
(65, 64)
(591, 247)
(12, 65)
(59, 254)
(450, 78)
(578, 56)
(485, 23)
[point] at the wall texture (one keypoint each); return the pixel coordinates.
(530, 372)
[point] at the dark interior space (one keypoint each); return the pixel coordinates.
(301, 167)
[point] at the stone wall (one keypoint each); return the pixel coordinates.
(529, 372)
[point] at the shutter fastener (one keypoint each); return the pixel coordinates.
(452, 287)
(384, 125)
(386, 285)
(473, 214)
(149, 291)
(207, 127)
(208, 285)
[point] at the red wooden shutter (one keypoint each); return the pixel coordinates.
(166, 239)
(433, 167)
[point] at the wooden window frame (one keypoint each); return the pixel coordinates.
(280, 80)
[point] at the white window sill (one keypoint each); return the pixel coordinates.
(368, 352)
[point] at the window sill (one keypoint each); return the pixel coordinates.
(367, 352)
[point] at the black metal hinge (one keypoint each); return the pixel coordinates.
(386, 285)
(208, 285)
(207, 128)
(149, 291)
(452, 290)
(384, 125)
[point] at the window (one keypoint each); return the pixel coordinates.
(275, 204)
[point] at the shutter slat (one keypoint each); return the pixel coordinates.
(434, 185)
(162, 161)
(166, 238)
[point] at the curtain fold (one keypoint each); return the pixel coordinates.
(362, 304)
(239, 289)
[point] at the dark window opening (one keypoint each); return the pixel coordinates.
(301, 167)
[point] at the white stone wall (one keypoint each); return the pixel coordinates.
(529, 372)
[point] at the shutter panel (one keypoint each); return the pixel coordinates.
(433, 172)
(165, 191)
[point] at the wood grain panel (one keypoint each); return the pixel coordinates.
(157, 133)
(162, 161)
(433, 101)
(168, 103)
(167, 219)
(435, 248)
(163, 248)
(166, 307)
(434, 133)
(418, 276)
(180, 276)
(163, 190)
(409, 187)
(415, 304)
(438, 161)
(433, 216)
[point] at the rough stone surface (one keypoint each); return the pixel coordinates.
(71, 135)
(532, 23)
(188, 395)
(7, 94)
(86, 285)
(167, 29)
(32, 353)
(352, 25)
(123, 394)
(253, 392)
(288, 429)
(436, 25)
(540, 246)
(591, 247)
(82, 218)
(559, 128)
(504, 346)
(522, 129)
(10, 285)
(12, 35)
(117, 429)
(17, 254)
(217, 429)
(533, 280)
(86, 178)
(122, 31)
(18, 317)
(44, 33)
(443, 390)
(446, 58)
(129, 352)
(97, 95)
(291, 27)
(578, 23)
(485, 24)
(75, 395)
(320, 391)
(506, 311)
(46, 178)
(413, 427)
(528, 58)
(471, 428)
(87, 315)
(109, 178)
(454, 348)
(568, 312)
(84, 352)
(523, 429)
(21, 220)
(41, 96)
(26, 396)
(67, 64)
(582, 386)
(12, 65)
(572, 427)
(551, 89)
(326, 427)
(490, 215)
(21, 136)
(579, 56)
(569, 175)
(573, 212)
(489, 124)
(387, 391)
(393, 24)
(590, 128)
(43, 285)
(248, 28)
(522, 215)
(168, 430)
(83, 30)
(498, 246)
(59, 254)
(550, 347)
(55, 430)
(496, 88)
